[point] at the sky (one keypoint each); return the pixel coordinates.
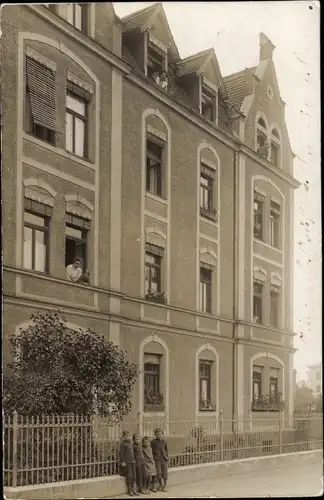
(233, 28)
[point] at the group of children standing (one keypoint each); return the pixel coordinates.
(144, 461)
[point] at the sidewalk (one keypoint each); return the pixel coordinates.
(303, 481)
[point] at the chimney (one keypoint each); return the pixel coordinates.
(266, 47)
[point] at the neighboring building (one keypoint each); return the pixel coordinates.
(173, 183)
(315, 379)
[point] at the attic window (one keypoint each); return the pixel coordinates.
(156, 65)
(208, 103)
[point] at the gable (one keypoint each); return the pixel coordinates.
(211, 71)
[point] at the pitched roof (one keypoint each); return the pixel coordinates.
(194, 63)
(138, 18)
(237, 88)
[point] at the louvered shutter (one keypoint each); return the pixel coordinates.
(76, 90)
(42, 93)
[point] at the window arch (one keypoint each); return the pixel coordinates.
(207, 379)
(267, 378)
(154, 376)
(261, 139)
(275, 147)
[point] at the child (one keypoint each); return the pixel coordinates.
(150, 464)
(160, 455)
(141, 475)
(127, 462)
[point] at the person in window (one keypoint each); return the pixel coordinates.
(164, 80)
(264, 150)
(156, 77)
(74, 271)
(85, 278)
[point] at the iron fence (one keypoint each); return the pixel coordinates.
(55, 448)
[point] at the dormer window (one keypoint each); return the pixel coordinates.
(209, 102)
(156, 62)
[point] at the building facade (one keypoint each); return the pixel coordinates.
(173, 183)
(315, 379)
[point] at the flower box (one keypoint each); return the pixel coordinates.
(156, 297)
(268, 403)
(207, 406)
(209, 213)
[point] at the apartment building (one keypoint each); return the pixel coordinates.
(315, 379)
(172, 182)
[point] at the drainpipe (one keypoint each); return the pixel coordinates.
(235, 288)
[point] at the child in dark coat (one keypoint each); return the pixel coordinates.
(127, 462)
(141, 475)
(161, 457)
(150, 464)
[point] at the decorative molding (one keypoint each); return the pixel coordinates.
(259, 273)
(155, 236)
(209, 84)
(40, 183)
(260, 192)
(39, 197)
(208, 256)
(156, 132)
(41, 59)
(79, 199)
(80, 83)
(79, 211)
(208, 163)
(269, 92)
(157, 42)
(275, 200)
(276, 280)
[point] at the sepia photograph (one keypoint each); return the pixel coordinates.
(161, 250)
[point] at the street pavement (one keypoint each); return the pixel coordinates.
(295, 481)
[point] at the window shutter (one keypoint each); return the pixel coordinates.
(74, 220)
(258, 197)
(275, 208)
(274, 288)
(155, 139)
(42, 93)
(204, 265)
(155, 250)
(153, 359)
(80, 92)
(38, 208)
(208, 172)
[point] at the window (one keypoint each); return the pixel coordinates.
(258, 215)
(36, 236)
(205, 292)
(153, 260)
(274, 307)
(257, 382)
(204, 384)
(275, 148)
(273, 387)
(153, 398)
(206, 193)
(257, 302)
(76, 125)
(154, 167)
(262, 145)
(76, 231)
(156, 61)
(208, 104)
(76, 14)
(274, 223)
(41, 100)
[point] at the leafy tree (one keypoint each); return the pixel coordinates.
(58, 370)
(304, 399)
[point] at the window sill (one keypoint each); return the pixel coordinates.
(154, 414)
(58, 151)
(266, 410)
(157, 198)
(267, 245)
(208, 221)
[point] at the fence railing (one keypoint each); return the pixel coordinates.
(55, 448)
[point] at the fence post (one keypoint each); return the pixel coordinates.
(14, 448)
(280, 432)
(221, 434)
